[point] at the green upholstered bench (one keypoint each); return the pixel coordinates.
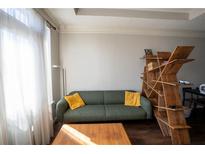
(102, 106)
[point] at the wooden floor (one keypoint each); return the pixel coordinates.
(147, 132)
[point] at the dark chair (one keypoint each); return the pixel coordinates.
(190, 100)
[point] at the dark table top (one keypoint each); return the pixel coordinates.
(193, 91)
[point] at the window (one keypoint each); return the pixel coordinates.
(25, 76)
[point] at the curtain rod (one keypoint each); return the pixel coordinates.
(43, 14)
(50, 25)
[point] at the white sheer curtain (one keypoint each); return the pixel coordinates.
(25, 116)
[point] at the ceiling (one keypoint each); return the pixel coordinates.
(94, 20)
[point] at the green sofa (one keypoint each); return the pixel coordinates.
(102, 106)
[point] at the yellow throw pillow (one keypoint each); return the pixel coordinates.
(132, 98)
(74, 101)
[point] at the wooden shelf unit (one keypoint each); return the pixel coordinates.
(168, 108)
(161, 87)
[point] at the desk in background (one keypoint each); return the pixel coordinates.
(196, 97)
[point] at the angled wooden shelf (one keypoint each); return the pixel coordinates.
(153, 58)
(161, 87)
(168, 83)
(152, 88)
(176, 61)
(165, 121)
(171, 109)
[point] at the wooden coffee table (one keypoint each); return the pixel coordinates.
(105, 133)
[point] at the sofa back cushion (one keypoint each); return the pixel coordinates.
(91, 97)
(114, 97)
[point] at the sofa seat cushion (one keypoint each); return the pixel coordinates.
(121, 112)
(88, 113)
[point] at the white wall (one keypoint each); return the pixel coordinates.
(111, 61)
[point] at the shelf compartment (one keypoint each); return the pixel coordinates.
(155, 58)
(165, 70)
(146, 92)
(165, 121)
(153, 101)
(154, 69)
(152, 89)
(164, 54)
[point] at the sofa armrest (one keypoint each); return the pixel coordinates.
(146, 105)
(61, 107)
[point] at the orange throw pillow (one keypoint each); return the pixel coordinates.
(132, 98)
(74, 101)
